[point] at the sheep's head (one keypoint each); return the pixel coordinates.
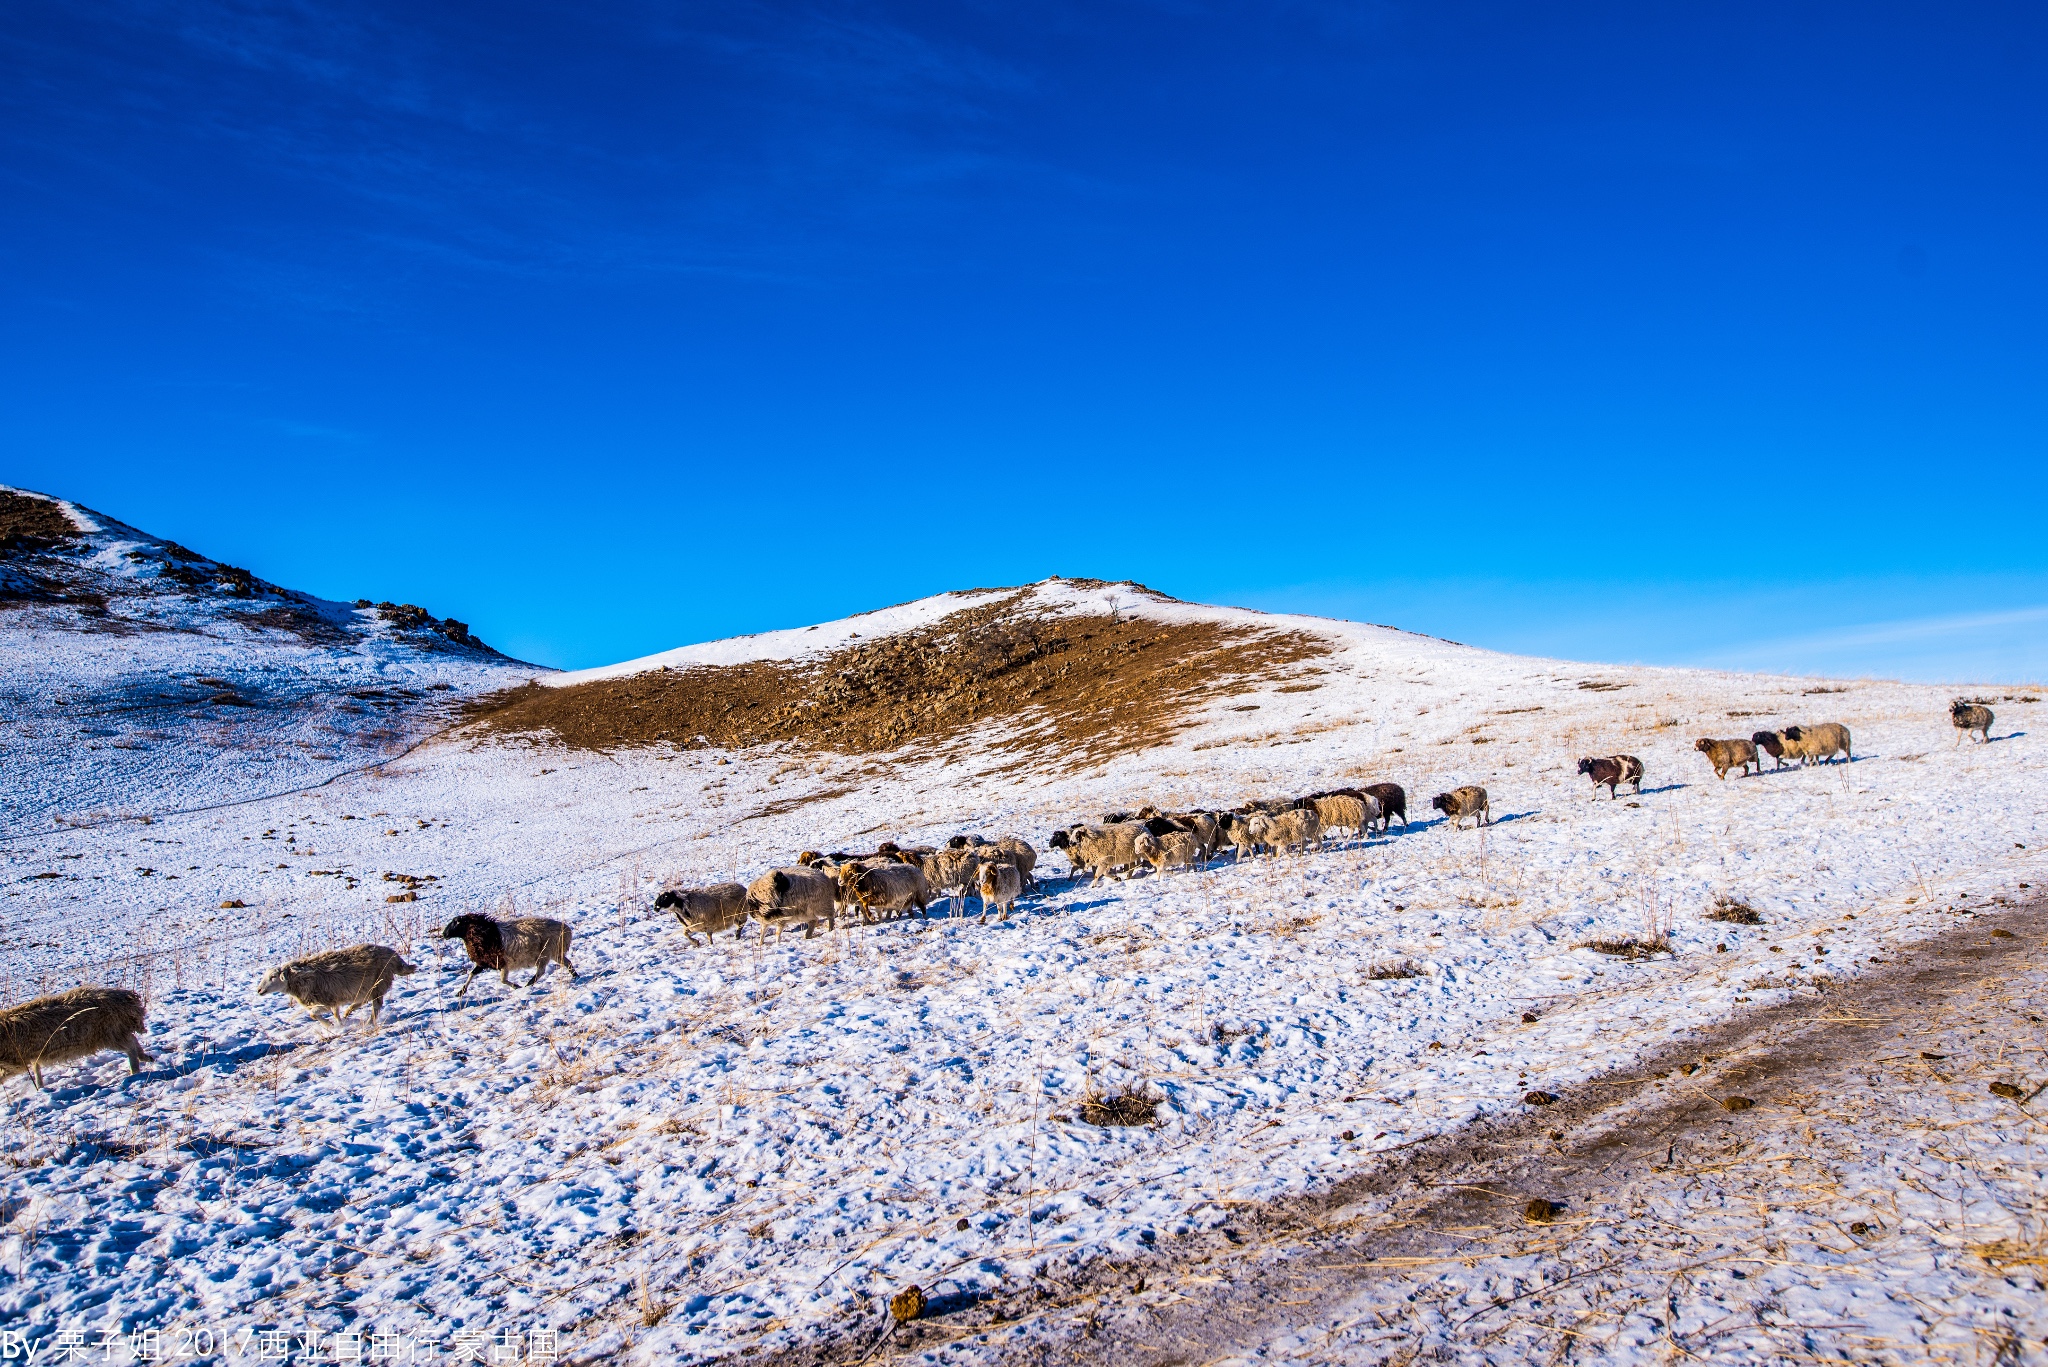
(1058, 841)
(1445, 802)
(272, 980)
(1794, 733)
(1768, 740)
(1703, 745)
(668, 899)
(958, 842)
(808, 858)
(462, 927)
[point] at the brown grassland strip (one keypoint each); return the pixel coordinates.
(1092, 685)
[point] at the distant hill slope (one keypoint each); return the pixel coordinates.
(139, 676)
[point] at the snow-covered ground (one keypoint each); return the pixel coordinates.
(686, 1151)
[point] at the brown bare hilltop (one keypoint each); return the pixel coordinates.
(1033, 680)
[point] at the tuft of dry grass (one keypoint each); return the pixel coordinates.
(1627, 946)
(1735, 911)
(1382, 970)
(1123, 1108)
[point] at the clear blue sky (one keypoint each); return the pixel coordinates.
(1688, 333)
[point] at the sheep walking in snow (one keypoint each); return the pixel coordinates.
(508, 946)
(952, 872)
(706, 911)
(1729, 754)
(1613, 770)
(1357, 811)
(70, 1026)
(1001, 883)
(1819, 742)
(1393, 800)
(1238, 832)
(1171, 850)
(795, 896)
(1101, 850)
(1968, 716)
(338, 981)
(1460, 803)
(1295, 829)
(1020, 852)
(893, 889)
(1775, 745)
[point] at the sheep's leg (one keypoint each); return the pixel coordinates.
(376, 1010)
(537, 972)
(474, 969)
(136, 1057)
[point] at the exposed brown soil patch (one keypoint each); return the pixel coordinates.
(1098, 686)
(32, 524)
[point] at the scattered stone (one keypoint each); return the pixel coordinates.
(1541, 1210)
(1541, 1098)
(1736, 1103)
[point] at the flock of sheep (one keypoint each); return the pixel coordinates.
(886, 882)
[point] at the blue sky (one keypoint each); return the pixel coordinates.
(1675, 333)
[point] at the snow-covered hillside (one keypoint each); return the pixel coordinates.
(687, 1152)
(137, 676)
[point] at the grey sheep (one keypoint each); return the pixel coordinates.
(1235, 830)
(70, 1026)
(1021, 854)
(1460, 803)
(706, 911)
(1728, 754)
(1102, 850)
(795, 896)
(1967, 716)
(952, 872)
(525, 942)
(338, 981)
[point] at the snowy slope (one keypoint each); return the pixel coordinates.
(687, 1151)
(138, 676)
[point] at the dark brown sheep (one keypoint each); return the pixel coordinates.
(506, 946)
(1612, 770)
(1393, 799)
